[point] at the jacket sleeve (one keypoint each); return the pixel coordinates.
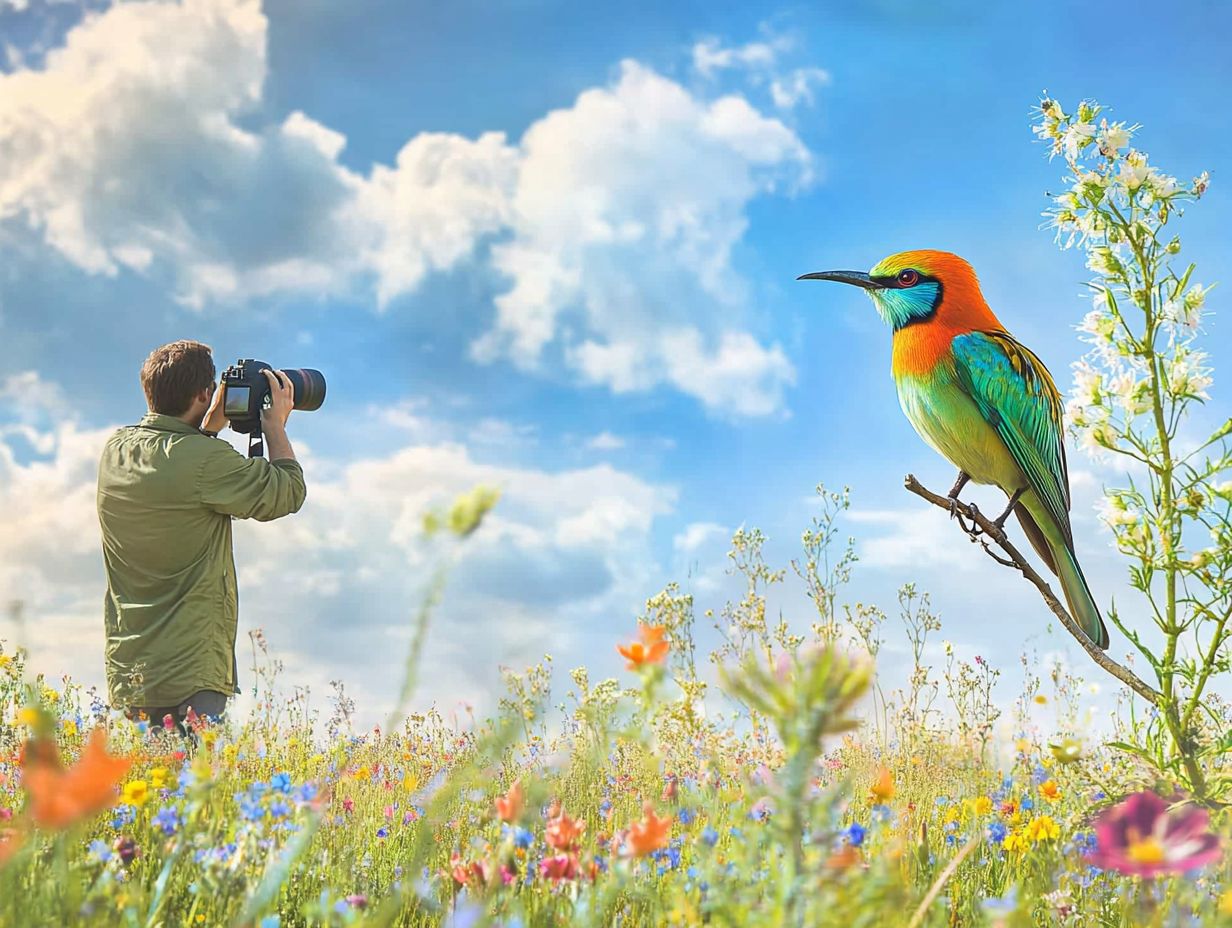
(251, 488)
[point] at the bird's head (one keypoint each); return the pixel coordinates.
(917, 286)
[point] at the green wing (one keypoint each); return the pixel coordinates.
(1017, 397)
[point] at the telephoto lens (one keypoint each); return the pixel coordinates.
(309, 387)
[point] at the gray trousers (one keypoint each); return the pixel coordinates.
(204, 702)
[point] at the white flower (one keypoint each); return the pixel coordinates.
(1200, 183)
(1112, 138)
(1099, 324)
(1187, 376)
(1114, 511)
(1075, 135)
(1088, 384)
(1134, 171)
(1130, 392)
(1104, 262)
(1161, 185)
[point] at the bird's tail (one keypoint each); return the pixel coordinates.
(1058, 554)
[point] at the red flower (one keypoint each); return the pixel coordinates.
(650, 834)
(559, 867)
(1143, 836)
(650, 649)
(509, 806)
(563, 832)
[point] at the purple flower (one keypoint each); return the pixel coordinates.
(1143, 836)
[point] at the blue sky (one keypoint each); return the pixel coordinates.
(596, 310)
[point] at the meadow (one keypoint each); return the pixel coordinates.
(773, 781)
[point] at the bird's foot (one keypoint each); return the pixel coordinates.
(999, 521)
(955, 490)
(974, 529)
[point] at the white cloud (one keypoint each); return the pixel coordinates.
(131, 149)
(335, 586)
(915, 537)
(627, 207)
(605, 441)
(696, 534)
(710, 55)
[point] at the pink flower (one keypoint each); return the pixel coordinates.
(1143, 836)
(559, 867)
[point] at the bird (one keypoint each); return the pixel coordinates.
(981, 399)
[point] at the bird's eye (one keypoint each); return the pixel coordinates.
(908, 278)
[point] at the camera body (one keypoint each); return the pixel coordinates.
(248, 392)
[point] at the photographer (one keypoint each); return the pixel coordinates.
(168, 489)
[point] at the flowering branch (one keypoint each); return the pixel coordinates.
(982, 526)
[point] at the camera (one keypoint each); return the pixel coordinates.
(248, 392)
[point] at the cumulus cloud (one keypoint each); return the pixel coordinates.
(610, 223)
(627, 207)
(335, 586)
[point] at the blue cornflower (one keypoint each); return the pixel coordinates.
(382, 832)
(278, 809)
(523, 838)
(250, 809)
(687, 816)
(605, 806)
(996, 832)
(882, 813)
(167, 819)
(710, 837)
(100, 850)
(306, 792)
(281, 781)
(1028, 802)
(855, 834)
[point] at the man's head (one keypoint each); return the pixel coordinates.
(178, 380)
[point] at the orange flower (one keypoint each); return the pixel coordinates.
(563, 832)
(650, 834)
(59, 797)
(1050, 790)
(883, 786)
(844, 858)
(650, 649)
(509, 807)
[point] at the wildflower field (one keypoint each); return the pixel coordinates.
(773, 781)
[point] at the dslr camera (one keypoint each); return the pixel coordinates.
(248, 392)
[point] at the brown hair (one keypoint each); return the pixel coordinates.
(174, 374)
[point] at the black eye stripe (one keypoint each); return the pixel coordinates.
(892, 280)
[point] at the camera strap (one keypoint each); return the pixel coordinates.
(256, 444)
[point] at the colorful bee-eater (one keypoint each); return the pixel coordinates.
(982, 400)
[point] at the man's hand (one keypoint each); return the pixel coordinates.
(282, 400)
(215, 419)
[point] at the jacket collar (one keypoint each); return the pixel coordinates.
(161, 423)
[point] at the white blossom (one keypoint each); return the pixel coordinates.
(1075, 135)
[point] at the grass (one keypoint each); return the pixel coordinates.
(804, 795)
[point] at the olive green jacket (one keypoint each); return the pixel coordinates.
(166, 496)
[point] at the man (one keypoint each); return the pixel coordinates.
(168, 489)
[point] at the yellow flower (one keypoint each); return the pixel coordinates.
(1041, 699)
(158, 777)
(136, 792)
(50, 695)
(1016, 840)
(28, 716)
(5, 661)
(209, 738)
(363, 773)
(1050, 790)
(1225, 903)
(410, 782)
(229, 753)
(982, 805)
(1043, 829)
(69, 727)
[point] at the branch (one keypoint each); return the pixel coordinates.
(1014, 558)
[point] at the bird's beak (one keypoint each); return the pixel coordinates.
(855, 278)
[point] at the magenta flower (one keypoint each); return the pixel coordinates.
(1143, 836)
